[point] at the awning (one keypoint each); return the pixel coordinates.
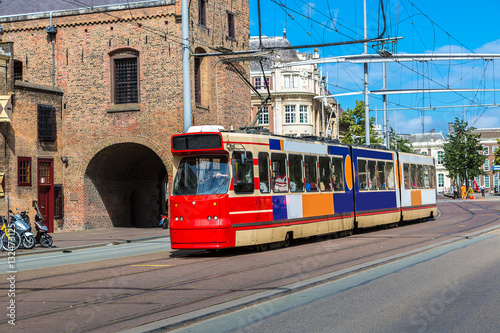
(5, 108)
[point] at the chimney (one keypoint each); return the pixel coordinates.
(432, 131)
(316, 54)
(450, 128)
(284, 33)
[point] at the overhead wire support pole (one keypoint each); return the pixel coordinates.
(386, 113)
(367, 106)
(186, 72)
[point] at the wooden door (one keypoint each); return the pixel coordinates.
(46, 191)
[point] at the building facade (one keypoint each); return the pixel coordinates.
(96, 93)
(294, 106)
(488, 139)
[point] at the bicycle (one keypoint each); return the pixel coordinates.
(10, 238)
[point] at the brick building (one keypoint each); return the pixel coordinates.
(105, 84)
(489, 140)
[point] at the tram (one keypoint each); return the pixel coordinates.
(242, 188)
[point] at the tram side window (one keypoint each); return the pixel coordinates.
(426, 176)
(432, 177)
(413, 175)
(420, 176)
(264, 172)
(381, 175)
(243, 172)
(338, 174)
(389, 175)
(407, 176)
(278, 173)
(362, 175)
(296, 178)
(325, 174)
(311, 173)
(372, 175)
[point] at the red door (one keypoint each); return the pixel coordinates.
(46, 191)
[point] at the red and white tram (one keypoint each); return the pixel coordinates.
(239, 188)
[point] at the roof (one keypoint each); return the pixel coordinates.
(269, 59)
(423, 137)
(22, 7)
(488, 133)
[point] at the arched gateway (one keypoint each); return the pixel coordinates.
(125, 186)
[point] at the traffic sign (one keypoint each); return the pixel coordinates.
(495, 167)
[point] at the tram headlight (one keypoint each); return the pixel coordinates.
(181, 218)
(209, 218)
(176, 218)
(215, 218)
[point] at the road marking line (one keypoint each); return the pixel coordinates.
(152, 265)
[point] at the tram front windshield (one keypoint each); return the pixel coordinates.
(197, 175)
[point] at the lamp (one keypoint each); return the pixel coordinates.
(64, 159)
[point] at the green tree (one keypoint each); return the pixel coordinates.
(461, 153)
(497, 155)
(354, 120)
(398, 143)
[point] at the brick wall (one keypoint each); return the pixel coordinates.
(21, 140)
(83, 46)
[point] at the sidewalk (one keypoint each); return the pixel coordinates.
(488, 196)
(71, 240)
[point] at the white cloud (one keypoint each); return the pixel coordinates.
(414, 125)
(486, 120)
(491, 47)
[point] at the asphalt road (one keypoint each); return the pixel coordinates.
(453, 288)
(163, 289)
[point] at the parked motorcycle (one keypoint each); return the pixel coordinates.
(24, 230)
(10, 238)
(42, 235)
(164, 221)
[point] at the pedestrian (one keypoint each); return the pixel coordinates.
(482, 191)
(463, 189)
(455, 192)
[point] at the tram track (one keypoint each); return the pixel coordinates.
(260, 286)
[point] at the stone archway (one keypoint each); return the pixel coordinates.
(124, 187)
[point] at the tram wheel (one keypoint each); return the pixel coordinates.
(335, 235)
(262, 247)
(288, 240)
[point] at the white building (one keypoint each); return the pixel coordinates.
(292, 108)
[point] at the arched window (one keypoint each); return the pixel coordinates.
(201, 79)
(124, 76)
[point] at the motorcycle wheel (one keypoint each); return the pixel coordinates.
(165, 223)
(46, 241)
(13, 243)
(28, 242)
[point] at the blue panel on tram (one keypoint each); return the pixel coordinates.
(279, 207)
(343, 203)
(372, 200)
(274, 144)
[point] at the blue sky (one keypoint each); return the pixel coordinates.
(425, 26)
